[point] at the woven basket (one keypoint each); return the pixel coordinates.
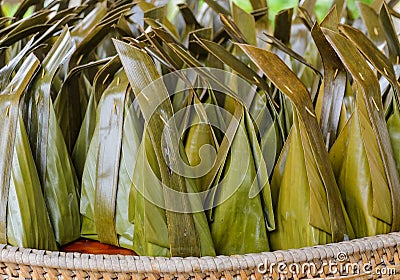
(367, 258)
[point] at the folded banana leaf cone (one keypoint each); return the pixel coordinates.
(307, 204)
(199, 140)
(56, 172)
(152, 236)
(242, 213)
(24, 220)
(101, 82)
(269, 128)
(379, 186)
(239, 196)
(360, 175)
(109, 166)
(301, 204)
(164, 205)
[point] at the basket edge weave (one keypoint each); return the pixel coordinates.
(382, 249)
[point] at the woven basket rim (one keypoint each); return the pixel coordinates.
(189, 265)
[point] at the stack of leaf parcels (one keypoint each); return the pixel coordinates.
(198, 128)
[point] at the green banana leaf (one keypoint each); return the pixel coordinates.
(151, 231)
(101, 81)
(262, 23)
(227, 58)
(82, 29)
(98, 32)
(193, 46)
(72, 101)
(76, 121)
(24, 27)
(335, 80)
(247, 26)
(24, 220)
(283, 24)
(151, 235)
(372, 54)
(323, 197)
(147, 205)
(390, 32)
(84, 138)
(157, 15)
(107, 176)
(38, 25)
(187, 232)
(191, 23)
(368, 83)
(246, 187)
(7, 70)
(300, 203)
(360, 175)
(56, 172)
(25, 5)
(271, 146)
(241, 218)
(28, 222)
(371, 20)
(92, 39)
(271, 134)
(200, 134)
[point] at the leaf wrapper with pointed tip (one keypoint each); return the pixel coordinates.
(185, 231)
(110, 134)
(151, 235)
(300, 201)
(146, 208)
(146, 200)
(368, 83)
(56, 172)
(311, 135)
(28, 223)
(361, 177)
(248, 217)
(24, 220)
(256, 203)
(114, 185)
(101, 82)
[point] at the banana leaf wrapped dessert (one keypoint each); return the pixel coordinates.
(24, 220)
